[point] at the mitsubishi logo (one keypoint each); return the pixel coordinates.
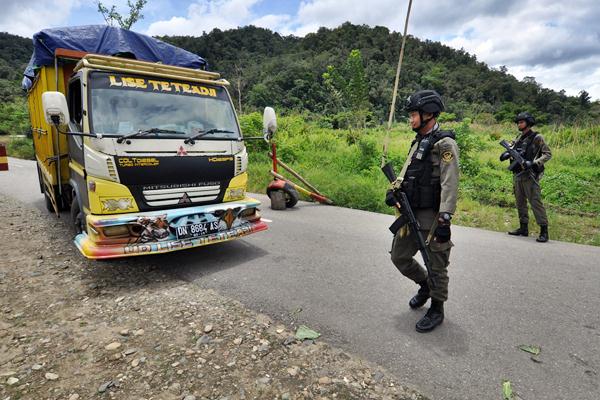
(185, 199)
(181, 151)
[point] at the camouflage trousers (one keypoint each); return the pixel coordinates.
(404, 248)
(526, 188)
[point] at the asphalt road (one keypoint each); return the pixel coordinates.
(329, 268)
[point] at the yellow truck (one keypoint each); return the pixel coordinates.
(148, 157)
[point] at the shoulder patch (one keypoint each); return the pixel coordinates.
(539, 139)
(447, 156)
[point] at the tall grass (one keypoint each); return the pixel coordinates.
(344, 165)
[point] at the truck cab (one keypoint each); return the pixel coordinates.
(148, 158)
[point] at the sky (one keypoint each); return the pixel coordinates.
(557, 42)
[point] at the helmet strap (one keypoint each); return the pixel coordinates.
(423, 122)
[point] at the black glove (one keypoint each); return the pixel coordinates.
(535, 168)
(442, 231)
(390, 200)
(504, 156)
(528, 164)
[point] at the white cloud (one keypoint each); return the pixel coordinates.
(25, 18)
(277, 23)
(205, 15)
(573, 77)
(332, 13)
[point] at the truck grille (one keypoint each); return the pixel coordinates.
(166, 197)
(111, 169)
(238, 165)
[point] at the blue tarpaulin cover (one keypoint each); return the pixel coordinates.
(107, 40)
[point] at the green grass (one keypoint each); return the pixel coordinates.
(344, 165)
(18, 147)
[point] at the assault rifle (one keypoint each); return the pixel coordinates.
(517, 160)
(408, 217)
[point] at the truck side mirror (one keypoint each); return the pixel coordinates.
(55, 108)
(269, 122)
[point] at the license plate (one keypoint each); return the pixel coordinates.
(197, 230)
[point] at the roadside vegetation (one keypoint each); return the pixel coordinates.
(334, 88)
(344, 164)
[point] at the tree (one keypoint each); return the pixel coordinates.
(584, 99)
(349, 88)
(111, 15)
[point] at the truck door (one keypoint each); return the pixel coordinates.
(75, 103)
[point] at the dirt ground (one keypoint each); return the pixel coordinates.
(72, 329)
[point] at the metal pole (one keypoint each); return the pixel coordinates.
(57, 142)
(393, 106)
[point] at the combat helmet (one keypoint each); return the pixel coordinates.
(428, 101)
(525, 116)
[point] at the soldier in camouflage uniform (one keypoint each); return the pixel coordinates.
(430, 180)
(526, 181)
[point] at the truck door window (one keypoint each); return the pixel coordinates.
(75, 103)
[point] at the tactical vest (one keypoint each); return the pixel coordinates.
(421, 187)
(526, 148)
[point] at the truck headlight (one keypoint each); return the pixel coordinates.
(116, 204)
(236, 193)
(117, 230)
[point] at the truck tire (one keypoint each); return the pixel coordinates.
(77, 222)
(48, 203)
(63, 204)
(291, 196)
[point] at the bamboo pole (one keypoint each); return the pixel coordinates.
(314, 196)
(394, 94)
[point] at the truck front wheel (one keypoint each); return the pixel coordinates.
(77, 217)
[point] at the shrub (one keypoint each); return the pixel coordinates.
(21, 148)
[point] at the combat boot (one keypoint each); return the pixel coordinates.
(433, 317)
(543, 234)
(522, 231)
(421, 297)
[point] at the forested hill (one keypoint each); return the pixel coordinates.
(15, 53)
(288, 72)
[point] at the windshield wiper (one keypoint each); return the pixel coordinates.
(146, 131)
(204, 133)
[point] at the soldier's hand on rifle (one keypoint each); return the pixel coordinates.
(390, 200)
(528, 164)
(504, 156)
(442, 231)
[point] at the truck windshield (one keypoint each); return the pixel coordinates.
(124, 104)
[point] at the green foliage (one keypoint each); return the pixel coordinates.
(468, 143)
(287, 72)
(310, 73)
(21, 148)
(348, 91)
(112, 16)
(447, 117)
(14, 117)
(344, 164)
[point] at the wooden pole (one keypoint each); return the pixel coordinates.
(398, 69)
(297, 175)
(314, 196)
